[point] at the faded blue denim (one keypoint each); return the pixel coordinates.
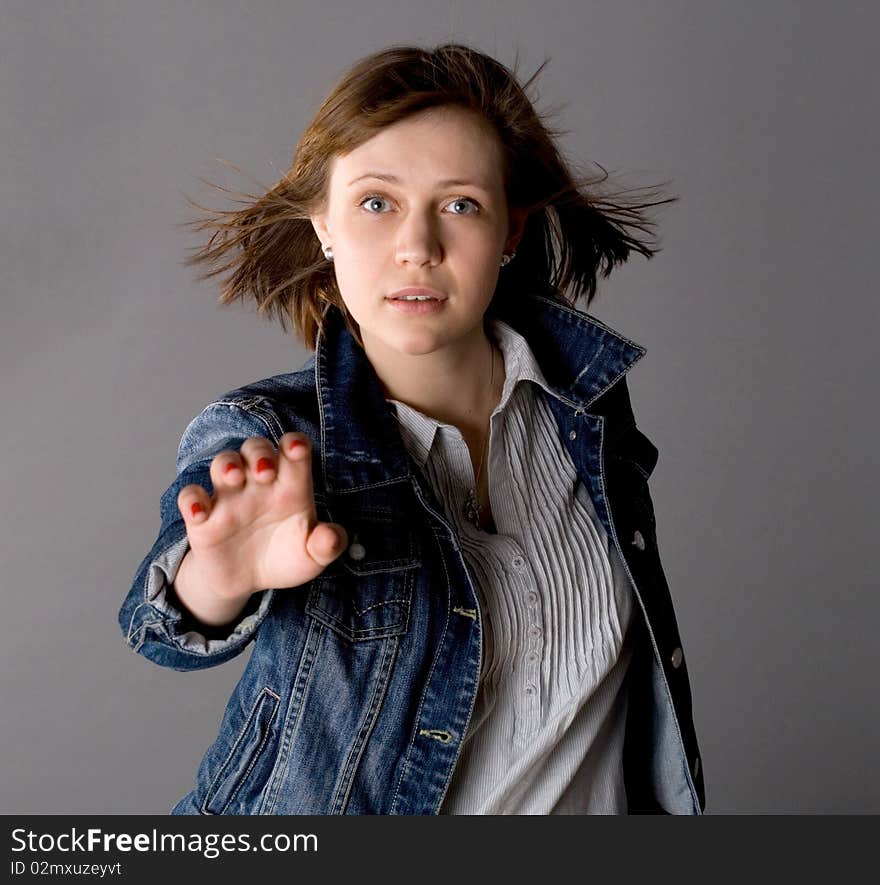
(361, 683)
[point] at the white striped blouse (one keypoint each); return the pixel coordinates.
(546, 734)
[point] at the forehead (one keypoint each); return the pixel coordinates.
(435, 144)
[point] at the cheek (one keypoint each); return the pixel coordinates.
(475, 245)
(481, 261)
(354, 244)
(361, 248)
(358, 278)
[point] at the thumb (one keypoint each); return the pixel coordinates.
(326, 542)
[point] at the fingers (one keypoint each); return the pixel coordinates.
(194, 504)
(259, 462)
(260, 458)
(326, 542)
(296, 463)
(228, 470)
(295, 467)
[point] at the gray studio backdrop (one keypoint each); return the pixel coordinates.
(759, 317)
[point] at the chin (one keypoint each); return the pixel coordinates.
(419, 348)
(415, 342)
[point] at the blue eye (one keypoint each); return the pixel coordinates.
(372, 198)
(465, 200)
(369, 201)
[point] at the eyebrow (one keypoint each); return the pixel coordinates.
(448, 182)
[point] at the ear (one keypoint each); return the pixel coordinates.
(515, 228)
(319, 223)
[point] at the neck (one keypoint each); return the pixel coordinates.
(451, 384)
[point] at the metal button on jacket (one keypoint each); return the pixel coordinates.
(638, 540)
(676, 658)
(357, 551)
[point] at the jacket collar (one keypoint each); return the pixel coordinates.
(579, 356)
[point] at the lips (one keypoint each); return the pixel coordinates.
(430, 303)
(423, 291)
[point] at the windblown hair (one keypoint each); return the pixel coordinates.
(575, 229)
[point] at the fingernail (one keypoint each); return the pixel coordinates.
(197, 509)
(294, 445)
(229, 467)
(264, 464)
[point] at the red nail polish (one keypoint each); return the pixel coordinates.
(197, 509)
(230, 466)
(295, 444)
(263, 464)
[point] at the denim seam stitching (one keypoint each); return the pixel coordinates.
(478, 624)
(249, 406)
(373, 485)
(389, 565)
(581, 317)
(259, 750)
(131, 627)
(319, 396)
(269, 418)
(608, 386)
(368, 722)
(213, 786)
(363, 611)
(293, 715)
(414, 734)
(143, 631)
(376, 632)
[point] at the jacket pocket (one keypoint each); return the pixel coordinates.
(239, 765)
(367, 592)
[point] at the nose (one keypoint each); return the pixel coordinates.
(418, 242)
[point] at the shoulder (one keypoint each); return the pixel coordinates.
(270, 407)
(277, 398)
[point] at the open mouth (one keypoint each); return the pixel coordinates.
(417, 302)
(417, 294)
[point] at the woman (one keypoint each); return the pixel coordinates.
(439, 530)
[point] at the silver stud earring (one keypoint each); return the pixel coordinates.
(328, 252)
(506, 259)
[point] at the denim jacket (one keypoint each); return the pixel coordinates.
(361, 682)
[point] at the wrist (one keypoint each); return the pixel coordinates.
(213, 602)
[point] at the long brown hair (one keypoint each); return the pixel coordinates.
(576, 228)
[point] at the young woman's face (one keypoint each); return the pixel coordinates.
(420, 204)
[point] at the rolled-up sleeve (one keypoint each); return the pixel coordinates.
(152, 619)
